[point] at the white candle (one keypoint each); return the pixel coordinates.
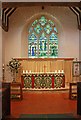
(58, 71)
(30, 71)
(62, 71)
(55, 71)
(3, 67)
(23, 71)
(26, 71)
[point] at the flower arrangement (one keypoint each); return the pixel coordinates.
(14, 66)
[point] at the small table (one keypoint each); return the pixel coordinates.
(16, 90)
(71, 92)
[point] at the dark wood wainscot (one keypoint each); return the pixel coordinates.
(5, 99)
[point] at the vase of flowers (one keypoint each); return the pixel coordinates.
(14, 66)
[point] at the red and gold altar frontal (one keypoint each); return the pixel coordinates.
(43, 80)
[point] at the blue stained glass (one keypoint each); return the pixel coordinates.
(33, 51)
(55, 29)
(31, 30)
(42, 20)
(32, 37)
(48, 28)
(38, 29)
(53, 36)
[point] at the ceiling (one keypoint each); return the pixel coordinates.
(9, 7)
(40, 0)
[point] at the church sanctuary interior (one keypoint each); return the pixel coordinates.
(40, 60)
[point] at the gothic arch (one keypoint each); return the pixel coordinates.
(24, 34)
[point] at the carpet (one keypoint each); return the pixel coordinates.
(47, 116)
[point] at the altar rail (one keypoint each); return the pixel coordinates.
(44, 80)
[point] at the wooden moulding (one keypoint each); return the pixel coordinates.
(44, 59)
(25, 4)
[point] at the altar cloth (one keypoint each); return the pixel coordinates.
(43, 80)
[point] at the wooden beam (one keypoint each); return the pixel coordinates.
(9, 16)
(78, 14)
(5, 21)
(4, 27)
(79, 27)
(11, 12)
(27, 4)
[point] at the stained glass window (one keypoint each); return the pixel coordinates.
(43, 39)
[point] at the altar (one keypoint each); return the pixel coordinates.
(43, 80)
(43, 73)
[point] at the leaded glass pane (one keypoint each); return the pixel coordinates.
(42, 20)
(38, 28)
(53, 45)
(35, 22)
(55, 29)
(51, 22)
(48, 28)
(32, 37)
(53, 49)
(53, 36)
(32, 45)
(32, 49)
(43, 46)
(42, 39)
(31, 30)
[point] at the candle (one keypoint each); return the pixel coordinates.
(62, 71)
(3, 67)
(30, 71)
(23, 71)
(26, 71)
(58, 71)
(55, 71)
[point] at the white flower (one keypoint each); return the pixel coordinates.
(14, 65)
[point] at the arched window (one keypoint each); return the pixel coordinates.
(42, 39)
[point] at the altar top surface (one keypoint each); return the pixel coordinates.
(43, 73)
(44, 59)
